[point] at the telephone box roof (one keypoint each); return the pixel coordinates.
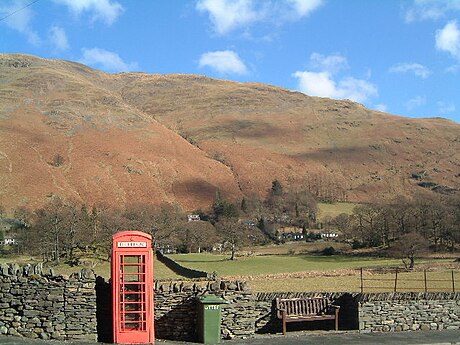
(131, 233)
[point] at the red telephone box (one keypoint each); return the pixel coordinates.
(132, 288)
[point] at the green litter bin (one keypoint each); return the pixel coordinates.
(209, 318)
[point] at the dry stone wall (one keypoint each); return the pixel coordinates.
(394, 312)
(176, 308)
(38, 304)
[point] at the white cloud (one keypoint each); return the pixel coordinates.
(58, 38)
(322, 84)
(107, 11)
(445, 108)
(106, 60)
(316, 84)
(358, 90)
(418, 69)
(304, 7)
(331, 63)
(224, 62)
(326, 84)
(453, 69)
(448, 39)
(430, 9)
(415, 102)
(20, 21)
(381, 107)
(229, 15)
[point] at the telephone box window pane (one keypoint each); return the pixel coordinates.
(132, 292)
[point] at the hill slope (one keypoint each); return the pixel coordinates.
(70, 130)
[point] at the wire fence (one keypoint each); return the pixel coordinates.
(404, 281)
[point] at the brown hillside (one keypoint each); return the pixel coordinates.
(70, 130)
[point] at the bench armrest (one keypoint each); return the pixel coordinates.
(334, 306)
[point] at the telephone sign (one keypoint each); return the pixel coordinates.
(132, 245)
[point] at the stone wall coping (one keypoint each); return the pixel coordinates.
(38, 271)
(364, 297)
(408, 296)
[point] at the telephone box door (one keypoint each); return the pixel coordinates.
(132, 288)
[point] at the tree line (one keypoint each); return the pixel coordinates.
(67, 230)
(404, 227)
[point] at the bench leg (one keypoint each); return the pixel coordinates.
(337, 319)
(284, 324)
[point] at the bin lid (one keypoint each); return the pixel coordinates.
(211, 299)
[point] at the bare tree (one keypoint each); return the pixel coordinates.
(197, 235)
(161, 221)
(49, 228)
(342, 222)
(23, 233)
(408, 247)
(233, 235)
(74, 234)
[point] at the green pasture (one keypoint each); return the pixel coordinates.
(299, 247)
(272, 264)
(316, 273)
(334, 209)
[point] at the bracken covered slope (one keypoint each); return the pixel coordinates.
(69, 130)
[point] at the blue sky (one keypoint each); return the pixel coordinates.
(401, 57)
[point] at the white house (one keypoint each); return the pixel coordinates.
(193, 217)
(8, 242)
(329, 235)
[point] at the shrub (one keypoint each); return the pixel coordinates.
(58, 160)
(328, 251)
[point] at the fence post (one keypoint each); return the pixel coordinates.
(453, 281)
(396, 279)
(424, 278)
(362, 283)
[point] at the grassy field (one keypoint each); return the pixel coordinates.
(349, 281)
(307, 272)
(295, 248)
(338, 283)
(274, 264)
(334, 209)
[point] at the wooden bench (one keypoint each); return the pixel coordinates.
(306, 309)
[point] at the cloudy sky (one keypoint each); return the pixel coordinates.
(397, 56)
